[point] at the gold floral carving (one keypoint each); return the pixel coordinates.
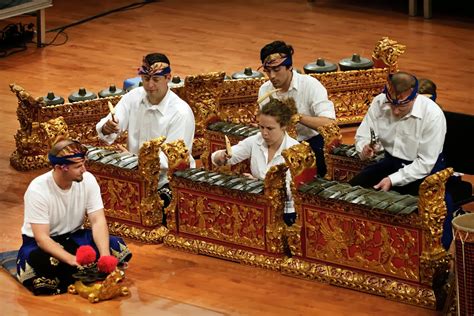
(177, 154)
(147, 235)
(332, 138)
(80, 118)
(178, 158)
(213, 249)
(388, 51)
(230, 218)
(352, 91)
(362, 244)
(432, 211)
(291, 128)
(275, 190)
(361, 281)
(101, 291)
(206, 214)
(342, 168)
(202, 92)
(238, 103)
(298, 158)
(149, 168)
(54, 128)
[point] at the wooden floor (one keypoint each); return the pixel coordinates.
(202, 36)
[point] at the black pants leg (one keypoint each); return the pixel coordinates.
(49, 270)
(165, 195)
(317, 145)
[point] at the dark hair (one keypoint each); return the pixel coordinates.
(402, 81)
(152, 58)
(282, 111)
(426, 86)
(276, 47)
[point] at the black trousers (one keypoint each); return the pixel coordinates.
(373, 174)
(166, 195)
(317, 145)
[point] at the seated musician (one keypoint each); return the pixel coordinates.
(55, 205)
(311, 97)
(151, 111)
(410, 129)
(427, 88)
(264, 149)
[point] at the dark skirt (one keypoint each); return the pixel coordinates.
(45, 275)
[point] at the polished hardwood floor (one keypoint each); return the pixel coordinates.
(202, 36)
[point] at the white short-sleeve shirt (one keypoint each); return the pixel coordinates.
(63, 210)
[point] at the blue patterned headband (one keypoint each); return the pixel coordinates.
(157, 69)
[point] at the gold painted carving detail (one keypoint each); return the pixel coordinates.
(32, 113)
(352, 91)
(252, 258)
(202, 93)
(388, 51)
(101, 291)
(332, 138)
(149, 168)
(220, 219)
(238, 103)
(147, 235)
(343, 169)
(432, 211)
(362, 244)
(365, 282)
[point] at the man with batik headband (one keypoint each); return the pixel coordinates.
(311, 97)
(151, 111)
(410, 129)
(55, 205)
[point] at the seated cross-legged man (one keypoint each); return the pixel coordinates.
(55, 206)
(410, 129)
(313, 106)
(264, 149)
(149, 112)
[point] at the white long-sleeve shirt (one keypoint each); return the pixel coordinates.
(417, 137)
(255, 149)
(172, 118)
(311, 99)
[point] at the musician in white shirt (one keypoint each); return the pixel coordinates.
(411, 129)
(313, 106)
(151, 111)
(264, 149)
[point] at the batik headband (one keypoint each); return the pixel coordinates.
(156, 69)
(75, 155)
(277, 59)
(397, 102)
